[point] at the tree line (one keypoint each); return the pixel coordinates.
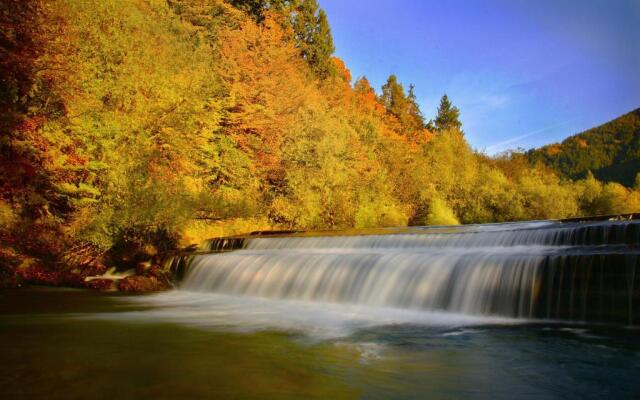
(133, 127)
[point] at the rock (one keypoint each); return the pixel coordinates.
(140, 283)
(100, 284)
(94, 267)
(142, 268)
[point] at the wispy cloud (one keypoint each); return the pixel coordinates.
(494, 148)
(496, 101)
(500, 145)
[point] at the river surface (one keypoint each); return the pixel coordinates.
(73, 344)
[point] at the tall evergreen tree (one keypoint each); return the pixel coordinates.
(393, 97)
(310, 25)
(255, 8)
(448, 115)
(414, 115)
(404, 107)
(313, 36)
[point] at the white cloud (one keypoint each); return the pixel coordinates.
(496, 147)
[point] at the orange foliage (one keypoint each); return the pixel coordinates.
(553, 149)
(341, 69)
(268, 82)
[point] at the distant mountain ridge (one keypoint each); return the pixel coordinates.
(610, 151)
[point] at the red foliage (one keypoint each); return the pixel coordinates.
(341, 69)
(37, 274)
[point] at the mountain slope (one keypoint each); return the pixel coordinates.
(610, 151)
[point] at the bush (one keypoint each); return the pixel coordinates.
(440, 213)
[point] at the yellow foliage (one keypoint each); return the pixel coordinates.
(440, 213)
(197, 231)
(166, 112)
(7, 216)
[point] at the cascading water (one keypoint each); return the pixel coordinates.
(551, 270)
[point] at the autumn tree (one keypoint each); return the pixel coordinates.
(310, 26)
(147, 124)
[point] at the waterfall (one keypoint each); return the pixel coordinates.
(550, 270)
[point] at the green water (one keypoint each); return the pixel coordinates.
(67, 344)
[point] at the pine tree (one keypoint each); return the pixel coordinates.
(313, 37)
(404, 107)
(254, 8)
(414, 115)
(310, 25)
(393, 97)
(448, 115)
(257, 8)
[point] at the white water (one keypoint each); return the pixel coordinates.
(494, 270)
(313, 319)
(486, 281)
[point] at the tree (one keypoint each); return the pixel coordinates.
(414, 116)
(311, 30)
(404, 107)
(254, 8)
(448, 115)
(313, 36)
(393, 97)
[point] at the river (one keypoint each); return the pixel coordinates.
(529, 311)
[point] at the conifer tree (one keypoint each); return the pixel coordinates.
(414, 115)
(310, 25)
(254, 8)
(404, 107)
(448, 115)
(393, 97)
(313, 36)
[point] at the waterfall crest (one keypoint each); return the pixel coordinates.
(527, 270)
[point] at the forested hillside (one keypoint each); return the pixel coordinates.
(131, 127)
(610, 151)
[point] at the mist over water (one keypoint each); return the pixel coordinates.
(313, 319)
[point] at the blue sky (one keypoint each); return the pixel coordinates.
(523, 73)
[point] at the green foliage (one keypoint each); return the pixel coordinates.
(393, 97)
(597, 198)
(440, 213)
(403, 107)
(448, 116)
(311, 30)
(610, 151)
(255, 8)
(313, 36)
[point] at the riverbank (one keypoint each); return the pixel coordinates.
(135, 269)
(17, 270)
